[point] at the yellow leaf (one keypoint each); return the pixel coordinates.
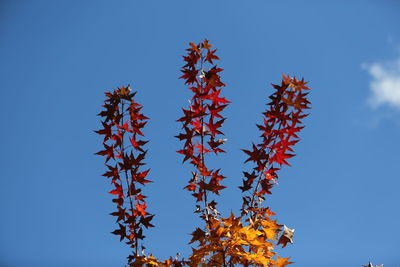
(281, 262)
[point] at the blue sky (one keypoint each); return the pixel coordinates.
(57, 58)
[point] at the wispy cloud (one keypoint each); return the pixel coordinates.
(385, 84)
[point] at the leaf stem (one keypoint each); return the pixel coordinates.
(202, 141)
(127, 177)
(262, 172)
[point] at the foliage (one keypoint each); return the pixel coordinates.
(247, 239)
(123, 121)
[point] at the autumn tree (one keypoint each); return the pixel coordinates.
(246, 239)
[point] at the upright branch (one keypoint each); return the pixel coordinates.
(122, 129)
(201, 124)
(279, 133)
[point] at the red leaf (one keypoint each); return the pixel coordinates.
(109, 152)
(121, 231)
(117, 191)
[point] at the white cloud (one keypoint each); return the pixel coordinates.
(385, 84)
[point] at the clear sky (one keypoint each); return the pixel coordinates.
(57, 58)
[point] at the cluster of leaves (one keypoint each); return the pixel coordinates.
(248, 239)
(226, 242)
(122, 130)
(124, 146)
(281, 124)
(202, 122)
